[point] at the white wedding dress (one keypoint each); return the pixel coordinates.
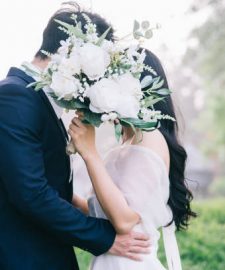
(142, 177)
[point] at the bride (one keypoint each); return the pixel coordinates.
(140, 186)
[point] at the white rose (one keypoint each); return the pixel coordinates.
(94, 61)
(104, 96)
(64, 87)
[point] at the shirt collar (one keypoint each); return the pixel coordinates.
(58, 110)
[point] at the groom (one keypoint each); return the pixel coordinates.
(38, 224)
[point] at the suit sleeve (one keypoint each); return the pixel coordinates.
(23, 173)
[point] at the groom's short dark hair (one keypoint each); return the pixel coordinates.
(52, 35)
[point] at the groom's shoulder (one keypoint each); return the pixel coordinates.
(12, 82)
(14, 92)
(14, 86)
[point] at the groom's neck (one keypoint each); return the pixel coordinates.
(39, 63)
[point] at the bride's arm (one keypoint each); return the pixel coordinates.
(80, 203)
(110, 197)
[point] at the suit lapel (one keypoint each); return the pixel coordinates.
(55, 117)
(22, 75)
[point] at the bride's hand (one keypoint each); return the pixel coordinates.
(83, 137)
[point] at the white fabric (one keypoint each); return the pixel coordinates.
(58, 110)
(142, 177)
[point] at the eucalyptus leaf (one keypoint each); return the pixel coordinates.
(136, 26)
(33, 84)
(148, 34)
(39, 86)
(77, 104)
(69, 104)
(156, 80)
(147, 80)
(64, 104)
(157, 84)
(163, 91)
(91, 118)
(127, 122)
(145, 25)
(137, 35)
(150, 101)
(154, 83)
(140, 124)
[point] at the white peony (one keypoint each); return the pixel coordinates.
(70, 66)
(104, 96)
(94, 61)
(131, 95)
(65, 87)
(130, 85)
(107, 45)
(129, 107)
(121, 95)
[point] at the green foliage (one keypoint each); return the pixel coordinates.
(138, 123)
(217, 187)
(150, 101)
(71, 30)
(92, 118)
(118, 131)
(208, 61)
(202, 247)
(103, 36)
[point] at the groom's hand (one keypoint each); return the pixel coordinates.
(131, 245)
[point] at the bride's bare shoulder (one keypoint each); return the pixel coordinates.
(156, 142)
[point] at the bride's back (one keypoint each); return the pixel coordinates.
(156, 142)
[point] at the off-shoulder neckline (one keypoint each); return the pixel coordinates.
(143, 149)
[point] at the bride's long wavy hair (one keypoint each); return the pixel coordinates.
(180, 196)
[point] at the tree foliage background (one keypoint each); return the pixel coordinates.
(207, 59)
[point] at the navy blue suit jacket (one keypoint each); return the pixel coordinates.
(38, 224)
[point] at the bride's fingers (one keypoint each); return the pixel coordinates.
(77, 122)
(75, 129)
(80, 115)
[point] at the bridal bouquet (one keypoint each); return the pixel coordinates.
(102, 79)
